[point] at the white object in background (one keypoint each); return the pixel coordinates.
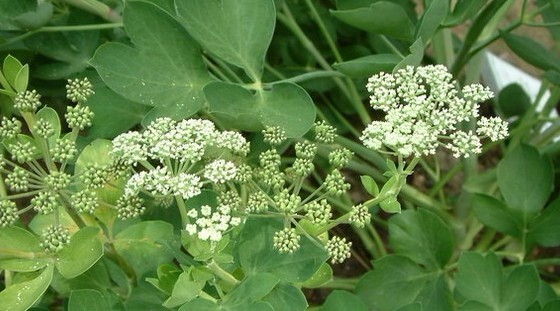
(497, 74)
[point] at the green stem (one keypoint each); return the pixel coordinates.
(182, 210)
(113, 255)
(97, 8)
(222, 274)
(473, 34)
(289, 21)
(309, 76)
(340, 283)
(324, 31)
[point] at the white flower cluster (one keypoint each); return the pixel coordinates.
(211, 225)
(189, 154)
(184, 141)
(423, 110)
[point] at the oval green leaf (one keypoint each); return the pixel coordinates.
(164, 68)
(238, 31)
(83, 251)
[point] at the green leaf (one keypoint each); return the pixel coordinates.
(200, 304)
(343, 300)
(382, 17)
(165, 67)
(545, 229)
(21, 296)
(167, 275)
(520, 288)
(531, 51)
(83, 251)
(286, 297)
(97, 154)
(285, 105)
(185, 290)
(525, 179)
(367, 66)
(20, 250)
(143, 245)
(392, 276)
(423, 237)
(10, 68)
(87, 300)
(415, 306)
(252, 289)
(48, 114)
(414, 58)
(432, 18)
(370, 185)
(9, 143)
(238, 31)
(436, 295)
(513, 101)
(114, 114)
(463, 10)
(70, 51)
(35, 19)
(11, 9)
(21, 80)
(323, 276)
(496, 215)
(472, 305)
(390, 205)
(479, 278)
(257, 254)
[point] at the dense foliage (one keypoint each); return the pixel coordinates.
(275, 155)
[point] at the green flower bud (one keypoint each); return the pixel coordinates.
(274, 135)
(9, 128)
(324, 133)
(27, 101)
(286, 240)
(78, 90)
(338, 249)
(335, 183)
(18, 180)
(8, 213)
(306, 150)
(54, 238)
(45, 202)
(79, 117)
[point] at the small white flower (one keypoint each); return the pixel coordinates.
(129, 148)
(220, 171)
(494, 128)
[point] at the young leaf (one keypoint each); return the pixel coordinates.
(423, 237)
(414, 58)
(165, 67)
(370, 185)
(184, 290)
(10, 68)
(83, 251)
(21, 296)
(525, 179)
(238, 31)
(382, 17)
(433, 16)
(367, 66)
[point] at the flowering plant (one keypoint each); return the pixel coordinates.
(221, 155)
